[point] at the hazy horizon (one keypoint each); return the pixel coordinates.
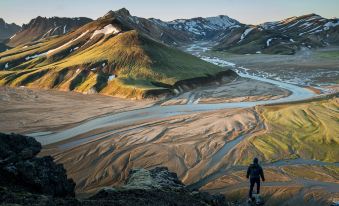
(246, 11)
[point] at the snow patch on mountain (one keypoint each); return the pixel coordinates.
(221, 22)
(111, 77)
(246, 32)
(316, 17)
(292, 25)
(199, 26)
(306, 24)
(268, 42)
(47, 33)
(158, 22)
(218, 62)
(36, 56)
(68, 43)
(330, 24)
(12, 36)
(109, 29)
(313, 29)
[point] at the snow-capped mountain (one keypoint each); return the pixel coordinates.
(181, 30)
(7, 30)
(303, 25)
(176, 32)
(201, 27)
(42, 27)
(283, 37)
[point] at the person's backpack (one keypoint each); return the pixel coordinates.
(255, 171)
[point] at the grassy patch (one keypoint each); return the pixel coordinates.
(307, 130)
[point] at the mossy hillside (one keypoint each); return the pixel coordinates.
(18, 54)
(136, 61)
(136, 57)
(303, 130)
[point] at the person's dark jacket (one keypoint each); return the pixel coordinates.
(255, 171)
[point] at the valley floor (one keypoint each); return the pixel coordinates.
(319, 67)
(25, 110)
(210, 150)
(240, 90)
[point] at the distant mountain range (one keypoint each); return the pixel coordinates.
(128, 56)
(181, 31)
(283, 37)
(110, 55)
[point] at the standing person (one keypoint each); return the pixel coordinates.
(254, 172)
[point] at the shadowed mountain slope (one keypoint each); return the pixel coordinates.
(42, 27)
(7, 30)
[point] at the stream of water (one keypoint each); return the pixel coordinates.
(156, 112)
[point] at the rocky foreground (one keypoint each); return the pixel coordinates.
(26, 179)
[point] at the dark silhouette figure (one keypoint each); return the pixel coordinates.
(254, 172)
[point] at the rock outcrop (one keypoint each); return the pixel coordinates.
(21, 172)
(157, 186)
(26, 179)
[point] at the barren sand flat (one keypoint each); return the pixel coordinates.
(192, 145)
(240, 90)
(25, 110)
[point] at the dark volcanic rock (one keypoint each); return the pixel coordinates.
(29, 180)
(158, 187)
(14, 148)
(10, 197)
(19, 168)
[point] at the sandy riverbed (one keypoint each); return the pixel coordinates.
(190, 145)
(240, 90)
(25, 110)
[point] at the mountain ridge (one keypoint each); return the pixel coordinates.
(179, 31)
(108, 56)
(43, 27)
(7, 30)
(283, 37)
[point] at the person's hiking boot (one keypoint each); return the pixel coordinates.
(249, 200)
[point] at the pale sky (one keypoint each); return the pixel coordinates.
(245, 11)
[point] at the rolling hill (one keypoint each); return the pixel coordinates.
(107, 56)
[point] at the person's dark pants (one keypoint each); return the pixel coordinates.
(254, 181)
